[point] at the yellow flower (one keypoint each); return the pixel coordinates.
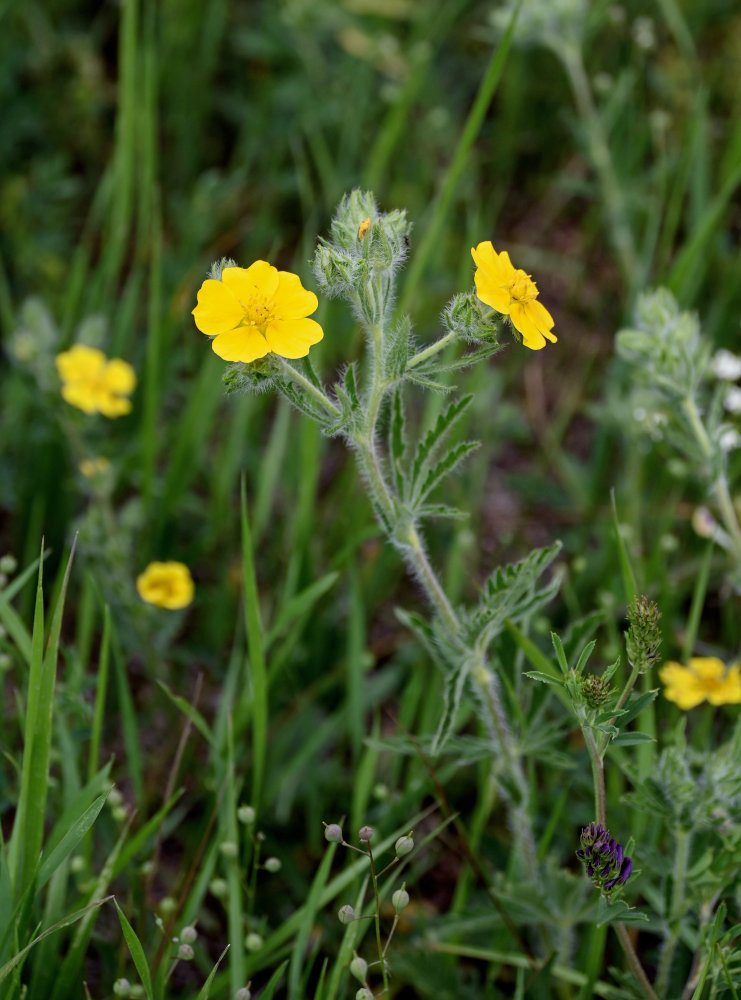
(166, 584)
(258, 309)
(513, 293)
(93, 383)
(92, 467)
(705, 677)
(363, 228)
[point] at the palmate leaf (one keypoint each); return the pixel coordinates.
(512, 592)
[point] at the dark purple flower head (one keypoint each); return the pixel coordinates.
(604, 858)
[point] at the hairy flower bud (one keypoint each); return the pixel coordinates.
(596, 691)
(643, 638)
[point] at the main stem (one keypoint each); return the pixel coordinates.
(407, 539)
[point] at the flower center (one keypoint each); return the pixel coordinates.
(522, 288)
(258, 311)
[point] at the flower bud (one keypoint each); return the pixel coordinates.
(188, 934)
(359, 968)
(253, 942)
(229, 849)
(404, 845)
(400, 899)
(365, 833)
(122, 988)
(246, 815)
(272, 865)
(218, 887)
(8, 564)
(185, 953)
(346, 914)
(167, 905)
(244, 993)
(364, 994)
(333, 833)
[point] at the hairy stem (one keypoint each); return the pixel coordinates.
(633, 961)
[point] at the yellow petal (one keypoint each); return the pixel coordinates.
(245, 344)
(682, 686)
(708, 668)
(292, 338)
(79, 362)
(79, 395)
(523, 321)
(498, 266)
(218, 309)
(729, 691)
(259, 278)
(491, 291)
(113, 406)
(291, 299)
(119, 376)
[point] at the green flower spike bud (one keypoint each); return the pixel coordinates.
(643, 638)
(596, 691)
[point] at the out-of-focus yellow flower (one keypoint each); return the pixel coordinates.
(363, 228)
(706, 677)
(166, 584)
(91, 467)
(513, 293)
(93, 383)
(255, 310)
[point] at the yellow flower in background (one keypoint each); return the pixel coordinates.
(513, 293)
(706, 677)
(255, 310)
(92, 467)
(93, 383)
(166, 584)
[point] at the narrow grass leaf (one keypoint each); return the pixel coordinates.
(205, 991)
(298, 606)
(190, 712)
(255, 649)
(137, 952)
(629, 580)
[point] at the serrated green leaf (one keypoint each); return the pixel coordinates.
(441, 510)
(396, 354)
(445, 466)
(636, 704)
(434, 437)
(632, 739)
(426, 383)
(397, 443)
(537, 675)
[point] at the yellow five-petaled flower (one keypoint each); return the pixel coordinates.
(166, 584)
(93, 383)
(255, 310)
(512, 292)
(706, 677)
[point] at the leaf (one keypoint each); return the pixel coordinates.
(426, 383)
(537, 675)
(632, 739)
(441, 510)
(618, 909)
(445, 466)
(636, 704)
(513, 592)
(455, 684)
(396, 352)
(433, 438)
(397, 443)
(205, 992)
(299, 605)
(137, 952)
(190, 712)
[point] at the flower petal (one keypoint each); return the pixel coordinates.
(80, 362)
(497, 265)
(707, 668)
(245, 344)
(291, 299)
(492, 291)
(729, 692)
(682, 686)
(218, 309)
(119, 376)
(292, 338)
(113, 406)
(259, 278)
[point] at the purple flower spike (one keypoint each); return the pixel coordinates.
(603, 858)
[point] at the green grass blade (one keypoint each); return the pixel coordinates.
(137, 952)
(475, 120)
(69, 841)
(258, 673)
(101, 688)
(205, 991)
(68, 921)
(626, 568)
(698, 602)
(309, 912)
